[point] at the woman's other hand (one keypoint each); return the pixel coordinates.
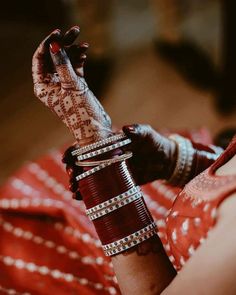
(57, 69)
(154, 155)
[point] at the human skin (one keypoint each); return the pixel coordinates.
(146, 269)
(65, 92)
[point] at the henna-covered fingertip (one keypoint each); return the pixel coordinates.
(129, 129)
(55, 47)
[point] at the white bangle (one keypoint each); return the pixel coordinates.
(181, 158)
(104, 150)
(107, 161)
(102, 166)
(97, 144)
(188, 164)
(184, 160)
(114, 203)
(130, 240)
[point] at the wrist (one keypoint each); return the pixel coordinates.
(167, 152)
(110, 195)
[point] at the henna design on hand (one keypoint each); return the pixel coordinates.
(154, 155)
(59, 83)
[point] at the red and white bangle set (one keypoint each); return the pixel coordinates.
(99, 165)
(104, 150)
(98, 144)
(138, 232)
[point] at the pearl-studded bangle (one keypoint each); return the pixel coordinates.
(98, 144)
(181, 158)
(104, 150)
(118, 205)
(102, 166)
(103, 205)
(184, 160)
(188, 164)
(130, 241)
(114, 203)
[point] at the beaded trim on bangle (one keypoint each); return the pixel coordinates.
(91, 171)
(118, 205)
(103, 205)
(114, 203)
(98, 144)
(181, 158)
(188, 164)
(104, 150)
(102, 166)
(130, 241)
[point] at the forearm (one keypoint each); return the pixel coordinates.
(126, 229)
(145, 269)
(114, 203)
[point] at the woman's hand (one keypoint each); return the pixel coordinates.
(57, 69)
(72, 170)
(154, 157)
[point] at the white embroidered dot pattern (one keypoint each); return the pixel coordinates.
(185, 227)
(54, 273)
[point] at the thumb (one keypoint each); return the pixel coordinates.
(66, 73)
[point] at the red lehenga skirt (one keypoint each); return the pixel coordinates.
(48, 245)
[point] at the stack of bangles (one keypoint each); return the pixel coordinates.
(190, 161)
(104, 211)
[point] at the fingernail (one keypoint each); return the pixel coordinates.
(131, 128)
(55, 47)
(74, 28)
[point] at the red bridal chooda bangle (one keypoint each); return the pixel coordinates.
(114, 203)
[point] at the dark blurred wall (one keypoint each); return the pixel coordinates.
(35, 12)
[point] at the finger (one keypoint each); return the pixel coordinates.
(67, 157)
(137, 131)
(131, 131)
(77, 54)
(38, 61)
(66, 73)
(73, 187)
(77, 196)
(83, 47)
(71, 35)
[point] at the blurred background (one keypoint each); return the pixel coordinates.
(168, 63)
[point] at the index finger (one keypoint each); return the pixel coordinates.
(38, 60)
